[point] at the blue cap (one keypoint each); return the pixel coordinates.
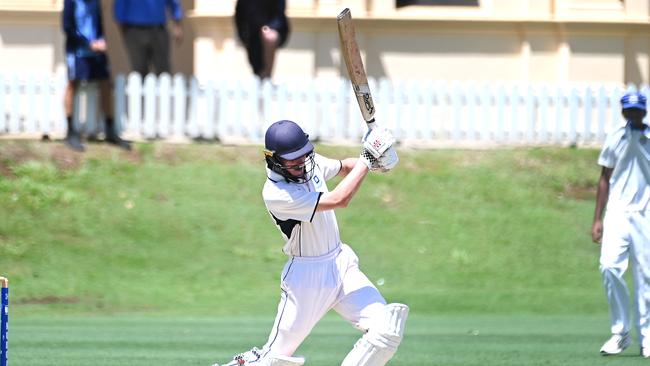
(287, 140)
(633, 100)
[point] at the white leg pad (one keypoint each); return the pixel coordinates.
(283, 361)
(380, 343)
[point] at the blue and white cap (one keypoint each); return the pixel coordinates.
(633, 100)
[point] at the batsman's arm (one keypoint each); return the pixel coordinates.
(602, 194)
(341, 196)
(346, 166)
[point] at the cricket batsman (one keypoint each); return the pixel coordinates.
(322, 272)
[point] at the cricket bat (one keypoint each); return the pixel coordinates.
(354, 64)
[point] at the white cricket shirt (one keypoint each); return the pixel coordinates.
(627, 151)
(293, 208)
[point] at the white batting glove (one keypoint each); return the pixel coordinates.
(377, 141)
(371, 162)
(388, 160)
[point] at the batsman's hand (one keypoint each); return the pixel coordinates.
(371, 162)
(388, 160)
(377, 141)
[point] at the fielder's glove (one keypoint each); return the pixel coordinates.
(377, 141)
(388, 160)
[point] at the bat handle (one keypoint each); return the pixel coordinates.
(371, 124)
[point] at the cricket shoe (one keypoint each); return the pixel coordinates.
(243, 359)
(616, 344)
(645, 352)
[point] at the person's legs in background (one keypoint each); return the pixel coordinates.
(112, 133)
(73, 137)
(270, 41)
(135, 41)
(160, 50)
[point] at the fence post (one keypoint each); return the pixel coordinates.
(119, 104)
(500, 105)
(614, 102)
(164, 104)
(194, 95)
(513, 134)
(486, 104)
(150, 84)
(471, 96)
(180, 103)
(573, 116)
(543, 114)
(530, 115)
(3, 113)
(134, 93)
(588, 105)
(559, 114)
(456, 103)
(14, 93)
(29, 124)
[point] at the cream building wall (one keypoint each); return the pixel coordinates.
(32, 40)
(513, 40)
(554, 41)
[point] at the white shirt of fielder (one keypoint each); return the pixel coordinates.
(627, 152)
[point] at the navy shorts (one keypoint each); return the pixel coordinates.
(87, 68)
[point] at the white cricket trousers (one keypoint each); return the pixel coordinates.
(626, 236)
(311, 286)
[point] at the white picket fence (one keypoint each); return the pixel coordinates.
(426, 113)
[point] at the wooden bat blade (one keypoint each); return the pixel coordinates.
(354, 65)
(350, 48)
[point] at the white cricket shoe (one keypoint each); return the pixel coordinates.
(245, 358)
(645, 352)
(616, 344)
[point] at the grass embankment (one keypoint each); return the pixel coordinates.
(182, 229)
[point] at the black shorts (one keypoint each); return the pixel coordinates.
(87, 68)
(254, 46)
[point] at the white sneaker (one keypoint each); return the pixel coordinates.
(645, 352)
(616, 344)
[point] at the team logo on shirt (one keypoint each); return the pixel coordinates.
(318, 182)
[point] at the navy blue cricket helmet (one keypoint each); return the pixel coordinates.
(285, 140)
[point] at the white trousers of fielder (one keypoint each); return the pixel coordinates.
(626, 237)
(311, 286)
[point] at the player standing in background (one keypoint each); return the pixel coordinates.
(624, 186)
(85, 54)
(322, 272)
(143, 24)
(262, 27)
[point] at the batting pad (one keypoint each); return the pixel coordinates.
(380, 343)
(284, 361)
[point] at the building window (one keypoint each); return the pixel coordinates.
(401, 3)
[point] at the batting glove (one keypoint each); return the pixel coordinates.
(371, 162)
(377, 141)
(388, 160)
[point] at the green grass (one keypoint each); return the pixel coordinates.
(182, 228)
(467, 340)
(166, 255)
